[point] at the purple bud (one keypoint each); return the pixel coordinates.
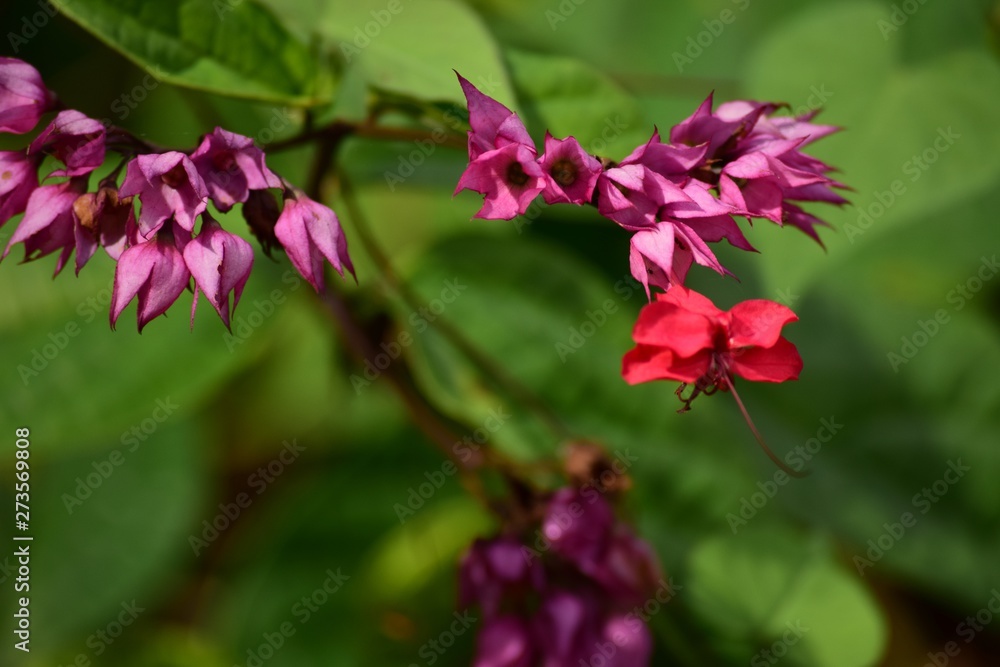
(231, 166)
(23, 96)
(495, 570)
(578, 527)
(47, 225)
(220, 263)
(153, 271)
(504, 641)
(310, 233)
(75, 140)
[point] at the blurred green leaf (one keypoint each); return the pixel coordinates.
(231, 48)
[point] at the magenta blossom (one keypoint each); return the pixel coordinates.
(47, 225)
(168, 185)
(18, 179)
(493, 570)
(23, 96)
(505, 641)
(508, 177)
(493, 125)
(220, 263)
(310, 232)
(154, 271)
(570, 173)
(231, 165)
(75, 140)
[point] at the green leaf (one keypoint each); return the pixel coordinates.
(770, 587)
(238, 49)
(412, 48)
(568, 97)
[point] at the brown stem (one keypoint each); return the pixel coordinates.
(760, 439)
(368, 130)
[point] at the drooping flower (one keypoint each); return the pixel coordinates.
(231, 166)
(508, 177)
(168, 186)
(261, 213)
(104, 219)
(23, 96)
(578, 527)
(47, 225)
(493, 125)
(75, 140)
(683, 336)
(570, 172)
(220, 263)
(153, 271)
(310, 232)
(18, 179)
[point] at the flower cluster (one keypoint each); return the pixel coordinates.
(574, 593)
(172, 240)
(675, 197)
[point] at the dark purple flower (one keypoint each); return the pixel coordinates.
(23, 96)
(47, 225)
(231, 165)
(577, 526)
(220, 263)
(75, 140)
(168, 185)
(18, 179)
(508, 177)
(310, 232)
(261, 212)
(495, 570)
(154, 271)
(504, 641)
(570, 173)
(565, 626)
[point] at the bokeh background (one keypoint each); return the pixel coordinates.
(140, 441)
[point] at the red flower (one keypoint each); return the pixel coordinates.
(683, 336)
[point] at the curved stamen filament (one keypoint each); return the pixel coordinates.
(760, 439)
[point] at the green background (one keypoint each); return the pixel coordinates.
(606, 73)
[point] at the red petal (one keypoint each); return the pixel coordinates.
(777, 363)
(758, 323)
(669, 326)
(645, 363)
(690, 300)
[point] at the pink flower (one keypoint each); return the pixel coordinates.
(220, 263)
(75, 140)
(23, 96)
(495, 571)
(168, 185)
(504, 641)
(310, 233)
(18, 179)
(154, 271)
(231, 166)
(493, 125)
(508, 177)
(102, 219)
(47, 225)
(570, 173)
